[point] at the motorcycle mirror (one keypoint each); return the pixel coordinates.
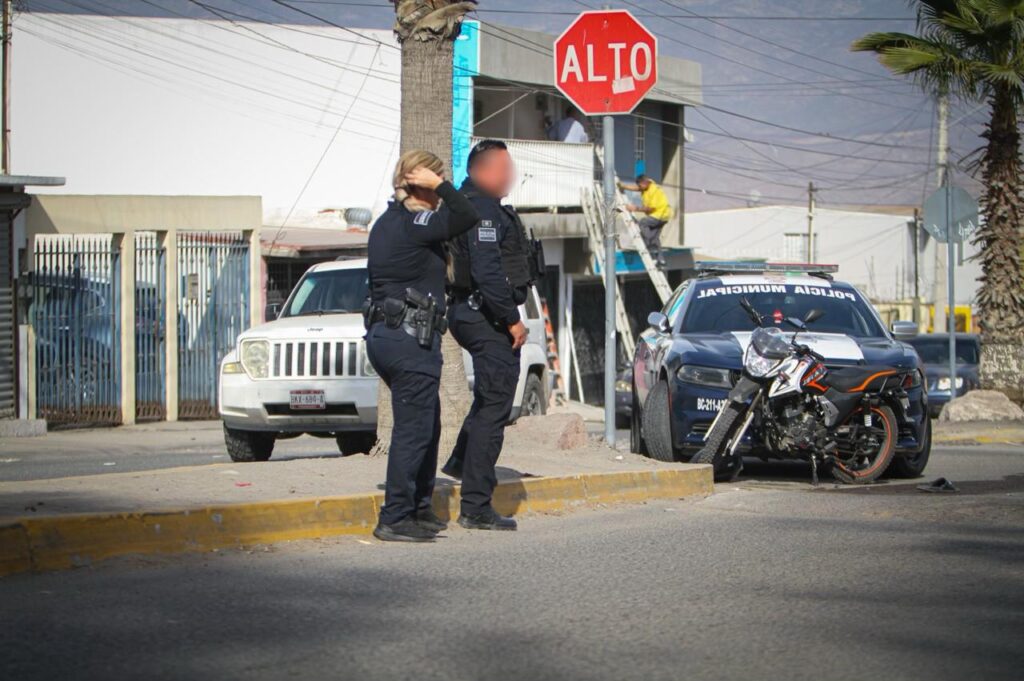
(814, 315)
(754, 315)
(797, 323)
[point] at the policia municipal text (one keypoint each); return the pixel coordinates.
(405, 317)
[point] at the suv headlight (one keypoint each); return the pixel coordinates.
(368, 369)
(256, 358)
(709, 376)
(756, 365)
(944, 383)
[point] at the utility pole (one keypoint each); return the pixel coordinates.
(810, 221)
(5, 102)
(942, 161)
(916, 240)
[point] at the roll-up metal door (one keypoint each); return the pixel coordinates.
(8, 361)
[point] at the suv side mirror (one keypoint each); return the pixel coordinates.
(904, 330)
(814, 315)
(659, 321)
(271, 311)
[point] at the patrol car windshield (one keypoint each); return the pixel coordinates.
(715, 307)
(328, 292)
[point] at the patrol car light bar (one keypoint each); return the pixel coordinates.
(743, 266)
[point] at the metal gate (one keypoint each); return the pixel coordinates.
(213, 308)
(150, 328)
(76, 316)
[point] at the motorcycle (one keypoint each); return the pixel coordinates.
(843, 419)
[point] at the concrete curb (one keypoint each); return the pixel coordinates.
(993, 433)
(60, 542)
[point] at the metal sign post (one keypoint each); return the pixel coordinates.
(950, 215)
(610, 350)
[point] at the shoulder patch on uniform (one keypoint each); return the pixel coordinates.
(489, 234)
(422, 218)
(486, 223)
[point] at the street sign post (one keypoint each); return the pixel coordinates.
(605, 63)
(950, 215)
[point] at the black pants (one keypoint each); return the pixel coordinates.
(413, 374)
(495, 375)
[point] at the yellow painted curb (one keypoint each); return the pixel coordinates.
(60, 542)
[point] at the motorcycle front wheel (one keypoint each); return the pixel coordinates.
(864, 457)
(717, 443)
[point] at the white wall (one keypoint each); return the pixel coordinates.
(873, 250)
(169, 106)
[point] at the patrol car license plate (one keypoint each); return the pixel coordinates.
(307, 399)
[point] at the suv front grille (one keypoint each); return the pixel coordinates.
(316, 359)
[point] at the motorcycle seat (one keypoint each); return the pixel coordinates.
(858, 379)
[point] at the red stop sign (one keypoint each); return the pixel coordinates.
(605, 62)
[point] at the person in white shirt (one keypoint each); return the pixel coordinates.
(569, 129)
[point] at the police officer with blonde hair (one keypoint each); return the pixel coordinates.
(405, 318)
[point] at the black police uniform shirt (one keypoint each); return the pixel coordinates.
(484, 246)
(406, 248)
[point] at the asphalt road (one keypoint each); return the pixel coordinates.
(768, 578)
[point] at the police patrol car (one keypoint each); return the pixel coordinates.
(307, 370)
(690, 357)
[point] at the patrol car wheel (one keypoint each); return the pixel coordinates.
(636, 438)
(657, 424)
(533, 397)
(356, 443)
(248, 445)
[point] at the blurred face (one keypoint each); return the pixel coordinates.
(643, 184)
(493, 173)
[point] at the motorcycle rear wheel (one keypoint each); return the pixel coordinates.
(863, 468)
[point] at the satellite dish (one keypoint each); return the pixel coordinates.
(754, 199)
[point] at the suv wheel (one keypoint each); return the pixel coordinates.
(533, 397)
(356, 443)
(248, 445)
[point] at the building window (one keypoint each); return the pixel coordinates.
(794, 248)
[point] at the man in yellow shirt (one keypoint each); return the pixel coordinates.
(656, 212)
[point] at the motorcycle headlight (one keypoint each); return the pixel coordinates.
(756, 365)
(709, 376)
(368, 369)
(256, 358)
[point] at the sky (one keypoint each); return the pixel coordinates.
(785, 63)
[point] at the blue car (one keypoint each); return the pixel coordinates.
(691, 356)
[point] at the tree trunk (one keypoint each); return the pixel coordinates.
(427, 124)
(1001, 297)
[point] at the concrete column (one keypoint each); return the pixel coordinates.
(169, 242)
(256, 296)
(126, 246)
(674, 177)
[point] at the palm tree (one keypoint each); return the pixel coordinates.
(427, 30)
(974, 49)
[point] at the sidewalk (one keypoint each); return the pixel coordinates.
(61, 522)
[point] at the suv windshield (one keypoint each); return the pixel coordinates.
(936, 350)
(715, 307)
(328, 291)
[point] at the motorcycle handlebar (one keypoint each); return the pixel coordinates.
(804, 350)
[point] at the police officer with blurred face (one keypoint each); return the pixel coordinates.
(405, 318)
(493, 266)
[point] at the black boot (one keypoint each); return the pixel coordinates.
(453, 468)
(406, 529)
(488, 520)
(428, 520)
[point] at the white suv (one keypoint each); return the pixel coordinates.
(307, 371)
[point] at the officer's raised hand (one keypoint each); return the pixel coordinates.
(519, 334)
(421, 176)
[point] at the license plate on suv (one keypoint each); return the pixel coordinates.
(307, 399)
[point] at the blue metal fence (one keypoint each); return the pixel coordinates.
(150, 327)
(213, 308)
(75, 313)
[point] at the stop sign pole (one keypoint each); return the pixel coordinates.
(605, 63)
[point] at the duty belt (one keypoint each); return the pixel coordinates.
(418, 316)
